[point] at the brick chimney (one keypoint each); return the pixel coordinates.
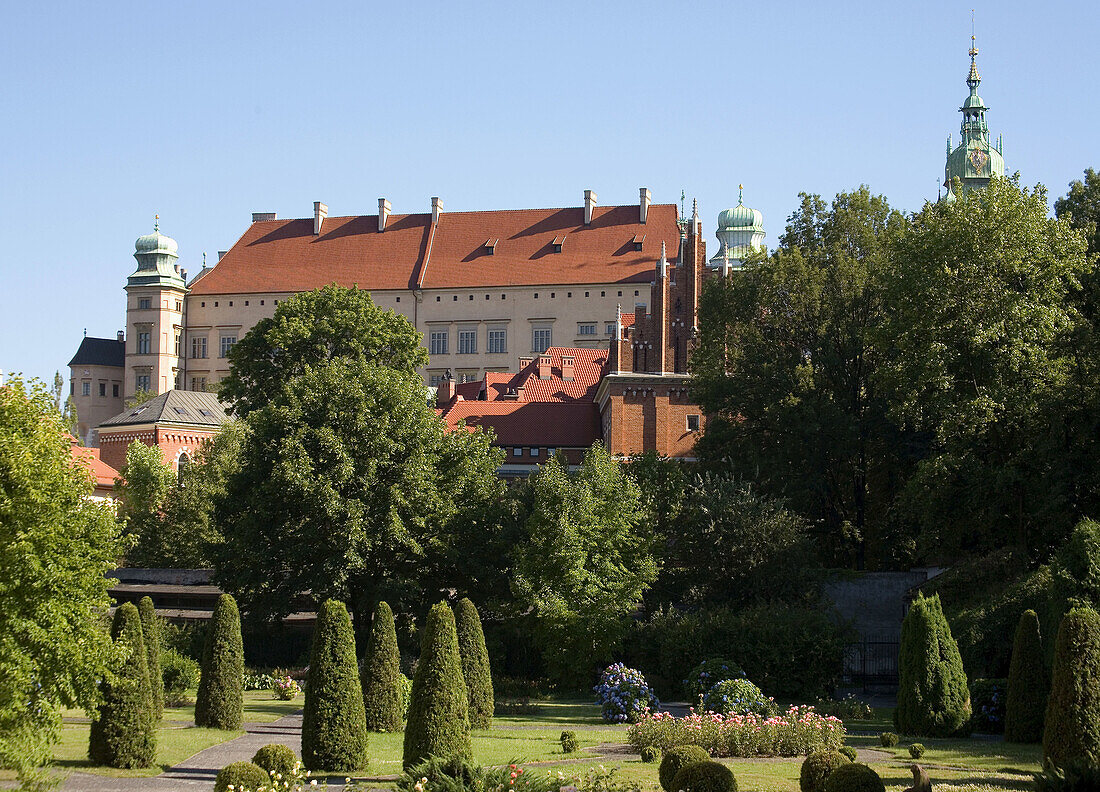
(320, 212)
(446, 390)
(567, 367)
(437, 208)
(544, 366)
(643, 204)
(525, 361)
(383, 214)
(589, 205)
(259, 217)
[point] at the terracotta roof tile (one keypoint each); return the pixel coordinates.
(628, 320)
(89, 457)
(546, 424)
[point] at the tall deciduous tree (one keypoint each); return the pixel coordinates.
(55, 546)
(1081, 208)
(143, 486)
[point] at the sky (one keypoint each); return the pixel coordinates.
(203, 113)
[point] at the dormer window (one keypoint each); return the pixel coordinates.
(637, 241)
(557, 243)
(491, 246)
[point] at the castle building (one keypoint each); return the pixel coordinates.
(96, 378)
(974, 161)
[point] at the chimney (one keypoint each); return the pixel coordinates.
(446, 390)
(639, 314)
(567, 367)
(589, 205)
(544, 366)
(183, 275)
(643, 204)
(121, 336)
(437, 208)
(662, 264)
(383, 214)
(221, 254)
(525, 361)
(320, 212)
(259, 217)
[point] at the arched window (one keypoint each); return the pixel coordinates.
(181, 465)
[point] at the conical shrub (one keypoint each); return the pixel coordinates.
(475, 665)
(1028, 685)
(1072, 731)
(334, 727)
(150, 632)
(438, 723)
(383, 698)
(933, 698)
(124, 733)
(220, 700)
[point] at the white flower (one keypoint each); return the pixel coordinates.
(313, 782)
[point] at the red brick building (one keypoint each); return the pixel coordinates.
(177, 422)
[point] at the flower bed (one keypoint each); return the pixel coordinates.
(797, 732)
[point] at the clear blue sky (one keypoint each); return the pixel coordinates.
(206, 112)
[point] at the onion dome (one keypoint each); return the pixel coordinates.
(156, 256)
(740, 232)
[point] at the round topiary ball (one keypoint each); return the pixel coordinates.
(677, 758)
(275, 758)
(708, 776)
(848, 751)
(817, 767)
(854, 777)
(651, 754)
(916, 750)
(241, 774)
(888, 739)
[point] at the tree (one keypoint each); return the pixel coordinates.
(382, 694)
(55, 546)
(1072, 730)
(313, 328)
(334, 727)
(143, 486)
(151, 635)
(787, 364)
(124, 733)
(141, 395)
(1028, 684)
(933, 699)
(64, 406)
(220, 700)
(475, 665)
(438, 723)
(981, 319)
(583, 564)
(1080, 207)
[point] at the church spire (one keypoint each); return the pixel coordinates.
(974, 161)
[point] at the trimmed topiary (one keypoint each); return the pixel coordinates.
(382, 686)
(220, 701)
(438, 723)
(475, 665)
(1028, 683)
(916, 750)
(1072, 731)
(334, 726)
(854, 777)
(675, 759)
(150, 632)
(848, 751)
(1075, 776)
(933, 698)
(817, 767)
(708, 776)
(650, 754)
(124, 733)
(568, 741)
(241, 775)
(276, 758)
(888, 739)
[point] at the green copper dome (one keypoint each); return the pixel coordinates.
(976, 160)
(156, 256)
(740, 232)
(155, 242)
(740, 216)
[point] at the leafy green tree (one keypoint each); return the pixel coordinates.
(1072, 730)
(220, 700)
(1028, 684)
(584, 562)
(475, 664)
(981, 316)
(309, 330)
(383, 698)
(124, 733)
(143, 486)
(334, 727)
(438, 724)
(55, 546)
(786, 366)
(151, 635)
(1081, 208)
(141, 395)
(65, 407)
(933, 698)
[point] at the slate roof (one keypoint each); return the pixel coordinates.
(100, 352)
(194, 408)
(285, 255)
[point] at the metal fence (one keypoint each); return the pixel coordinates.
(870, 662)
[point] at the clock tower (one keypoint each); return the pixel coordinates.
(974, 161)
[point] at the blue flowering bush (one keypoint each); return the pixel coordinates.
(708, 674)
(738, 697)
(987, 701)
(623, 694)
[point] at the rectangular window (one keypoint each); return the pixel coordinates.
(534, 452)
(141, 382)
(517, 452)
(103, 389)
(227, 344)
(540, 339)
(438, 342)
(588, 328)
(198, 347)
(610, 328)
(467, 342)
(114, 390)
(498, 341)
(693, 423)
(435, 379)
(143, 303)
(198, 383)
(143, 342)
(85, 389)
(179, 343)
(72, 388)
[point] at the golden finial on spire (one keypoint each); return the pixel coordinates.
(740, 190)
(156, 223)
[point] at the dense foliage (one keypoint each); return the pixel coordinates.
(708, 674)
(438, 721)
(1072, 725)
(179, 673)
(383, 693)
(816, 769)
(1073, 776)
(933, 698)
(55, 546)
(123, 734)
(708, 776)
(142, 487)
(275, 758)
(220, 701)
(241, 775)
(623, 694)
(987, 705)
(854, 777)
(150, 632)
(334, 726)
(1028, 684)
(738, 697)
(675, 759)
(475, 664)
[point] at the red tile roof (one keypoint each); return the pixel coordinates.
(589, 367)
(545, 424)
(628, 320)
(285, 256)
(89, 457)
